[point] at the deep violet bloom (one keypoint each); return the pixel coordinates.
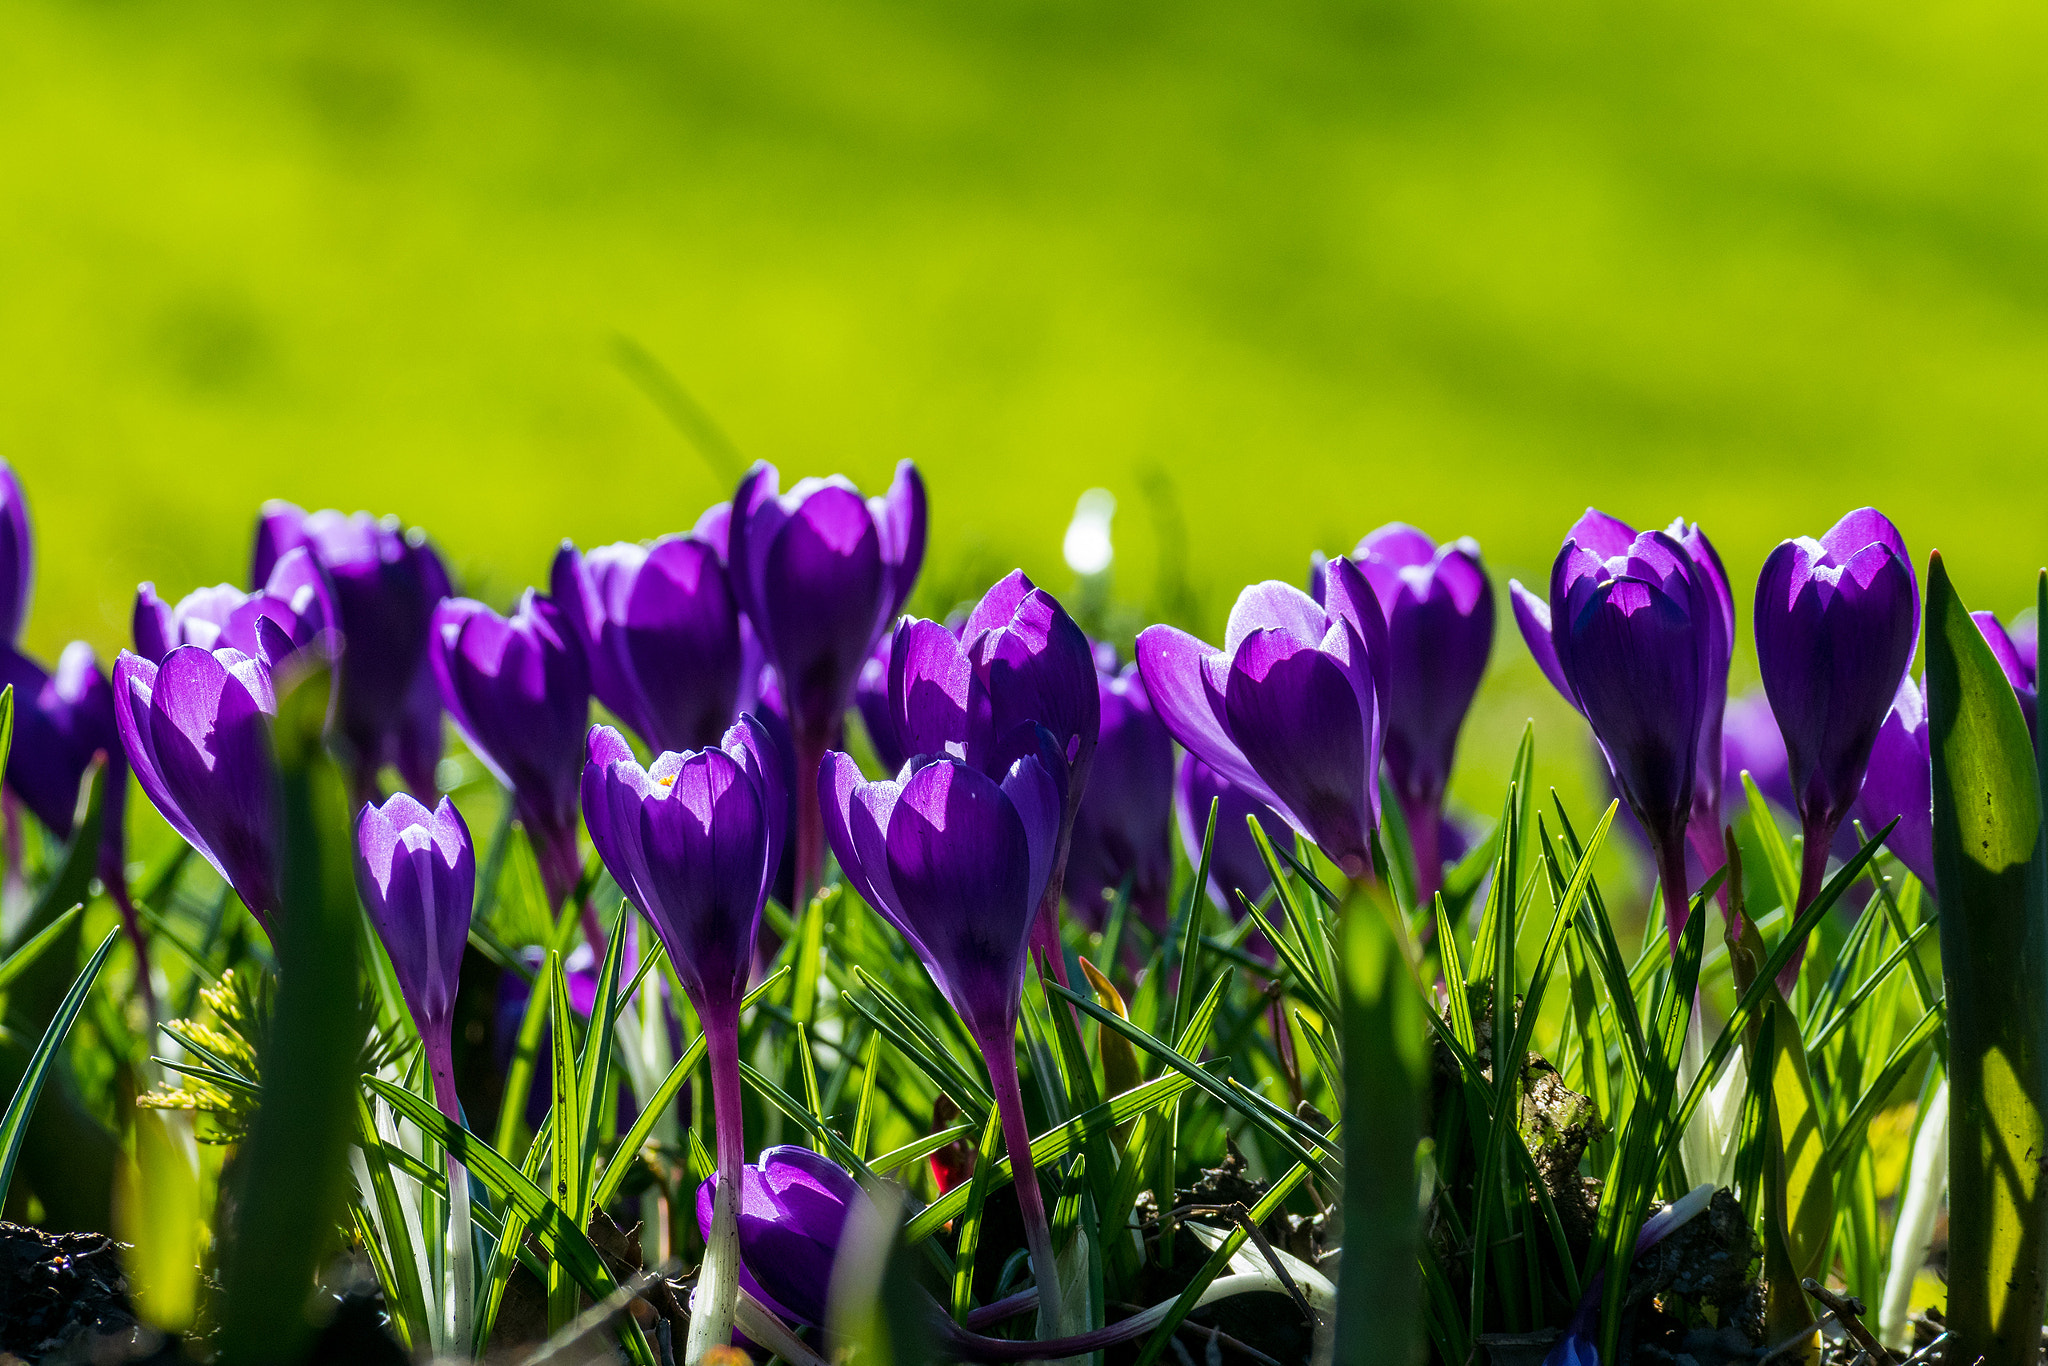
(662, 632)
(1121, 827)
(958, 862)
(294, 599)
(197, 731)
(793, 1208)
(820, 573)
(1899, 783)
(519, 690)
(1234, 862)
(1018, 668)
(1635, 635)
(694, 841)
(1610, 539)
(1438, 603)
(871, 699)
(384, 583)
(1291, 709)
(1836, 623)
(17, 557)
(416, 871)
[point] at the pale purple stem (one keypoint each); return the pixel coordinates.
(1001, 1052)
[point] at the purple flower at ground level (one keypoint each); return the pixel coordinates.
(793, 1208)
(1234, 862)
(416, 871)
(662, 633)
(294, 602)
(820, 573)
(1635, 636)
(1836, 623)
(196, 729)
(384, 584)
(1291, 709)
(1121, 826)
(17, 557)
(1438, 605)
(958, 862)
(1899, 782)
(1018, 671)
(519, 690)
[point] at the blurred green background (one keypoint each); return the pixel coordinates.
(1272, 274)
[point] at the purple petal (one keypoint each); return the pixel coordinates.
(1175, 667)
(1532, 615)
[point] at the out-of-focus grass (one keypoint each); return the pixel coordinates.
(1284, 271)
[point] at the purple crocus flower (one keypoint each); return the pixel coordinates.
(1751, 743)
(17, 557)
(1899, 783)
(196, 729)
(694, 841)
(1121, 826)
(294, 599)
(519, 690)
(384, 583)
(1438, 604)
(416, 870)
(1836, 622)
(1019, 667)
(792, 1210)
(871, 697)
(1291, 709)
(958, 861)
(662, 633)
(820, 573)
(1635, 635)
(2017, 664)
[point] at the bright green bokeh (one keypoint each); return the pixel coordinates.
(1468, 263)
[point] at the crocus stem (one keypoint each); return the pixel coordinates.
(1001, 1052)
(1813, 866)
(1045, 930)
(974, 1347)
(711, 1308)
(1425, 839)
(810, 822)
(459, 1309)
(1671, 874)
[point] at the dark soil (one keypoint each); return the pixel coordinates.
(58, 1287)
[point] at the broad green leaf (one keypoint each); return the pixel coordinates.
(1994, 941)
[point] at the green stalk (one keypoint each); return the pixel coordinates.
(1994, 951)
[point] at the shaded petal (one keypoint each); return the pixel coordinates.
(1532, 615)
(1304, 723)
(1176, 670)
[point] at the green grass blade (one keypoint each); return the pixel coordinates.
(970, 1219)
(594, 1068)
(14, 1125)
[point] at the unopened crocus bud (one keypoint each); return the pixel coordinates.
(793, 1208)
(1836, 623)
(197, 732)
(694, 841)
(1121, 826)
(1899, 783)
(519, 690)
(384, 582)
(416, 870)
(17, 557)
(1291, 709)
(820, 573)
(1438, 604)
(958, 862)
(294, 600)
(662, 632)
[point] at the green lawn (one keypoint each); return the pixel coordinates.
(1272, 273)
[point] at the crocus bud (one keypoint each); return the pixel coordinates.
(662, 632)
(1019, 668)
(820, 573)
(17, 557)
(1291, 709)
(1121, 825)
(61, 720)
(1635, 627)
(1438, 604)
(793, 1207)
(958, 862)
(519, 690)
(196, 729)
(1836, 623)
(694, 841)
(1899, 783)
(1234, 862)
(416, 870)
(384, 583)
(294, 599)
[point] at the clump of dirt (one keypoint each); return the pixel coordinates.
(59, 1286)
